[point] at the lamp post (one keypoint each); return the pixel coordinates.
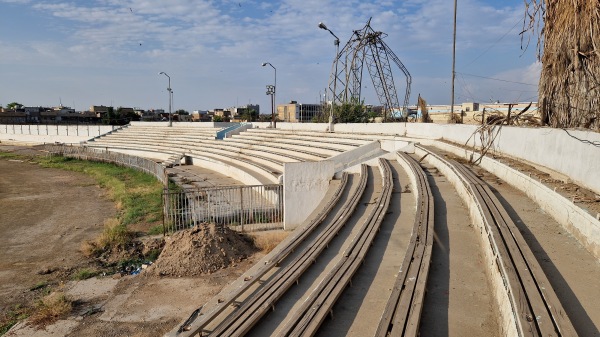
(335, 78)
(170, 96)
(272, 93)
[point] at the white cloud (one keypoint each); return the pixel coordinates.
(214, 48)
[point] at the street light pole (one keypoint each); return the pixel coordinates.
(274, 89)
(170, 96)
(335, 77)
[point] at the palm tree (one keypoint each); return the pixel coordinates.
(569, 49)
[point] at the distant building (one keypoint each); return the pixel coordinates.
(295, 112)
(33, 113)
(201, 116)
(237, 111)
(99, 110)
(17, 116)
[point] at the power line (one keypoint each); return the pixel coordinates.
(495, 43)
(496, 79)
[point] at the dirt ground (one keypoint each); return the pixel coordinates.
(45, 216)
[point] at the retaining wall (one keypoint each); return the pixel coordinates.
(187, 124)
(43, 133)
(304, 186)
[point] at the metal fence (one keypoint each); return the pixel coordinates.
(102, 155)
(242, 208)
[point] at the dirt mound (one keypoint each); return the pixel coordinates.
(203, 249)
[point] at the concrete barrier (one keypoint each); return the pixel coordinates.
(224, 168)
(43, 133)
(397, 144)
(356, 156)
(304, 186)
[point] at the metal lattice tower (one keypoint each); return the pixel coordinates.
(366, 48)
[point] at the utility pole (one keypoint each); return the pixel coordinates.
(453, 65)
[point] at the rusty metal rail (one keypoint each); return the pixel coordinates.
(402, 314)
(320, 303)
(200, 320)
(253, 308)
(536, 308)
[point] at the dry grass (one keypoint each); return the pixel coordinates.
(51, 308)
(114, 235)
(267, 241)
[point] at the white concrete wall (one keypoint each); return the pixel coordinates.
(304, 186)
(582, 225)
(223, 168)
(397, 144)
(555, 149)
(143, 154)
(548, 148)
(186, 124)
(42, 133)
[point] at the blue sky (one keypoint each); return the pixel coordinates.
(111, 51)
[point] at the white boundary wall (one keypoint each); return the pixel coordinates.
(304, 186)
(550, 148)
(43, 133)
(186, 124)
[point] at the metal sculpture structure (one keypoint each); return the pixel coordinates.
(366, 48)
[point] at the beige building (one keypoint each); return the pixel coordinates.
(99, 110)
(295, 112)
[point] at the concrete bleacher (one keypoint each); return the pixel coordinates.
(260, 153)
(164, 143)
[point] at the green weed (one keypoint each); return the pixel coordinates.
(12, 317)
(84, 274)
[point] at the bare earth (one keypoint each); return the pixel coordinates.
(45, 215)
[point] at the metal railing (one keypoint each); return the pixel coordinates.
(241, 208)
(102, 155)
